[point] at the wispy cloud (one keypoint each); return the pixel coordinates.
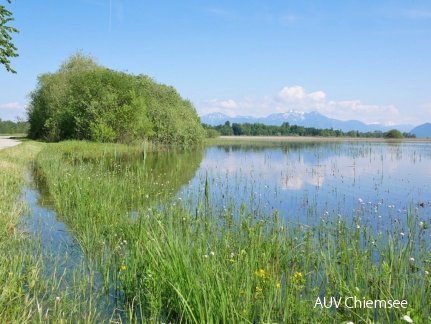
(418, 14)
(12, 111)
(298, 98)
(11, 105)
(219, 12)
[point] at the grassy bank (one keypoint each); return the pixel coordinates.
(166, 260)
(17, 265)
(37, 287)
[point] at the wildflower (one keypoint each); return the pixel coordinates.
(412, 259)
(407, 319)
(212, 253)
(123, 267)
(258, 290)
(297, 275)
(205, 255)
(277, 285)
(426, 272)
(260, 273)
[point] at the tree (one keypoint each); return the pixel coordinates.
(394, 133)
(7, 48)
(86, 101)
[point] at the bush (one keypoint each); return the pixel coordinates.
(393, 133)
(84, 100)
(212, 133)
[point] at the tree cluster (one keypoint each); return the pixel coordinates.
(86, 101)
(259, 129)
(10, 127)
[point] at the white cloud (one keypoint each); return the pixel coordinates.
(298, 98)
(12, 110)
(230, 104)
(355, 109)
(11, 105)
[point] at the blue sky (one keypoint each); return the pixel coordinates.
(367, 60)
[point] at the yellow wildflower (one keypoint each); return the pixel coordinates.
(277, 285)
(260, 273)
(297, 275)
(123, 267)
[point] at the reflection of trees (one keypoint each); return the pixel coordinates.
(133, 179)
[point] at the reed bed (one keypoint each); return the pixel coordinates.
(169, 259)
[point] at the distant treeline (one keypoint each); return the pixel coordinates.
(259, 129)
(10, 127)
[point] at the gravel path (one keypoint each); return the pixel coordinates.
(6, 141)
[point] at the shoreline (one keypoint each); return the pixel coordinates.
(321, 139)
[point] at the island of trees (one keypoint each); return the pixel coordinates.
(86, 101)
(259, 129)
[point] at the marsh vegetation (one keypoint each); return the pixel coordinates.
(232, 233)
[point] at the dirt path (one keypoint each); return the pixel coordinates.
(6, 141)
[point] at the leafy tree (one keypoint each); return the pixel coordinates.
(394, 133)
(84, 100)
(7, 48)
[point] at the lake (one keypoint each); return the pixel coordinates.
(237, 220)
(307, 181)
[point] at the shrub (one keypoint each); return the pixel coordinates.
(84, 100)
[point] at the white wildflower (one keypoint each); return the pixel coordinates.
(407, 319)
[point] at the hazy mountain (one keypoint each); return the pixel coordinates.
(306, 119)
(423, 130)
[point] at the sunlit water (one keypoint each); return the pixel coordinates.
(308, 182)
(373, 184)
(62, 255)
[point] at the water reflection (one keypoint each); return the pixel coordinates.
(307, 180)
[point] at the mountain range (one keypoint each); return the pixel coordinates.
(314, 119)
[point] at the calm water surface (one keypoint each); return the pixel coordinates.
(306, 182)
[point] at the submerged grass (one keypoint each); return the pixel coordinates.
(166, 260)
(36, 286)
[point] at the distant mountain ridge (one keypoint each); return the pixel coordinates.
(422, 131)
(306, 119)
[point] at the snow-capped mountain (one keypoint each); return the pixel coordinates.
(306, 119)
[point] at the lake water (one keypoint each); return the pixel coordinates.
(379, 185)
(307, 182)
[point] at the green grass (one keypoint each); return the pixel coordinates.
(157, 260)
(36, 286)
(183, 263)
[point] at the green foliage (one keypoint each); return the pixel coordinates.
(394, 133)
(7, 48)
(212, 133)
(259, 129)
(10, 127)
(84, 100)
